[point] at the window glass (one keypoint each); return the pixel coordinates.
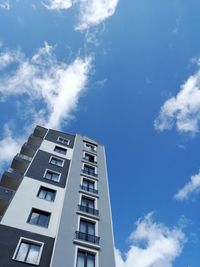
(60, 150)
(63, 140)
(28, 252)
(81, 259)
(56, 161)
(54, 176)
(85, 259)
(33, 254)
(46, 193)
(39, 217)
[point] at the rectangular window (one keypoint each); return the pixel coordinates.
(64, 141)
(87, 232)
(87, 202)
(56, 161)
(90, 158)
(28, 251)
(60, 150)
(89, 186)
(85, 259)
(51, 175)
(39, 217)
(91, 147)
(89, 170)
(46, 193)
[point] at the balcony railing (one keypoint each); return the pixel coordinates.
(90, 160)
(89, 189)
(89, 172)
(88, 210)
(86, 237)
(23, 157)
(15, 172)
(31, 146)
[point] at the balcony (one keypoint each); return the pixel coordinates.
(5, 198)
(28, 149)
(89, 189)
(11, 179)
(40, 131)
(88, 210)
(86, 237)
(21, 162)
(89, 172)
(35, 140)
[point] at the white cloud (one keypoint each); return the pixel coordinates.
(94, 12)
(9, 146)
(51, 89)
(46, 90)
(57, 4)
(190, 188)
(183, 110)
(5, 4)
(152, 245)
(91, 12)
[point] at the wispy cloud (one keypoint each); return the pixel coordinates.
(94, 12)
(46, 89)
(191, 188)
(5, 4)
(183, 110)
(51, 88)
(91, 12)
(152, 244)
(57, 4)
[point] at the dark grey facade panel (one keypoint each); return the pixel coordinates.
(9, 241)
(41, 162)
(53, 135)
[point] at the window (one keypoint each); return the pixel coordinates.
(28, 251)
(87, 205)
(87, 232)
(91, 147)
(89, 158)
(46, 193)
(62, 140)
(39, 217)
(51, 175)
(60, 150)
(85, 259)
(89, 186)
(57, 161)
(89, 170)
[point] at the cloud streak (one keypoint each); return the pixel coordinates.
(183, 110)
(57, 4)
(91, 12)
(190, 188)
(152, 244)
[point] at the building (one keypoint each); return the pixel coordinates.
(54, 204)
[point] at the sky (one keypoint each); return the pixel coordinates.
(127, 74)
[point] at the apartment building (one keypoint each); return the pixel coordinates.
(54, 204)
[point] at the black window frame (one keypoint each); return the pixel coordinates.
(52, 172)
(58, 149)
(48, 190)
(56, 159)
(40, 213)
(86, 254)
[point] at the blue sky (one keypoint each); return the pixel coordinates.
(126, 73)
